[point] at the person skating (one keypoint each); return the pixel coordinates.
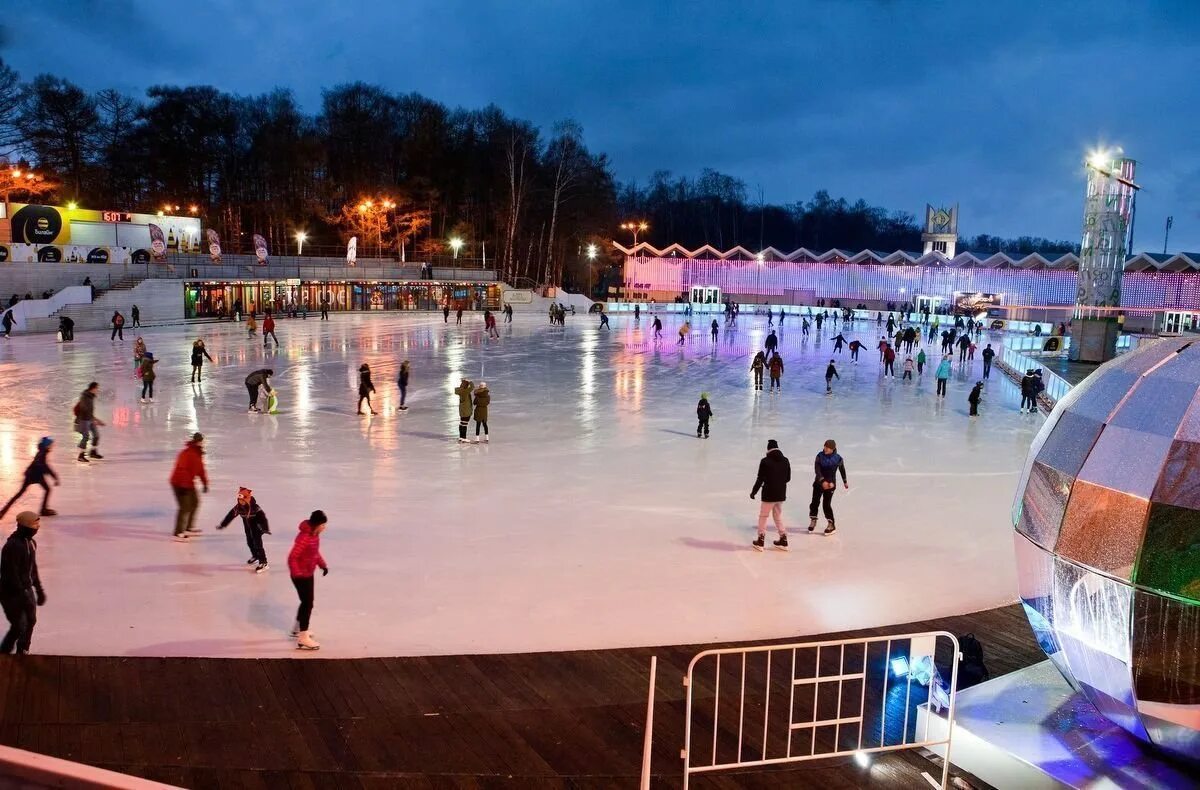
(254, 522)
(921, 362)
(365, 388)
(838, 341)
(830, 374)
(189, 465)
(148, 376)
(458, 317)
(325, 307)
(908, 368)
(604, 321)
(66, 326)
(269, 329)
(804, 327)
(139, 352)
(489, 324)
(136, 315)
(774, 473)
(657, 325)
(827, 466)
(251, 325)
(446, 314)
(771, 343)
(971, 352)
(757, 365)
(483, 397)
(855, 347)
(35, 475)
(819, 320)
(943, 375)
(964, 343)
(199, 354)
(21, 590)
(8, 322)
(465, 408)
(974, 397)
(508, 313)
(704, 413)
(889, 362)
(259, 378)
(637, 312)
(775, 368)
(402, 382)
(713, 330)
(988, 354)
(303, 561)
(86, 422)
(118, 324)
(683, 332)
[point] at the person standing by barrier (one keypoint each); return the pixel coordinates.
(827, 466)
(189, 465)
(774, 473)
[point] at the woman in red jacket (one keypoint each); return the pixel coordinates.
(303, 561)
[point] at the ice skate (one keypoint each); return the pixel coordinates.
(48, 512)
(192, 530)
(781, 544)
(759, 542)
(485, 440)
(83, 458)
(830, 528)
(180, 538)
(305, 641)
(403, 408)
(475, 440)
(144, 400)
(812, 524)
(262, 566)
(253, 410)
(462, 440)
(253, 561)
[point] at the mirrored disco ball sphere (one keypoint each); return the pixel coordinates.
(1107, 520)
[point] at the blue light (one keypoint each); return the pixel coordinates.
(900, 666)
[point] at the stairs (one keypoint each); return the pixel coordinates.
(122, 295)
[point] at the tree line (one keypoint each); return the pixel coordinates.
(402, 172)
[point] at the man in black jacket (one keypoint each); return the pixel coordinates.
(258, 378)
(774, 473)
(20, 587)
(988, 355)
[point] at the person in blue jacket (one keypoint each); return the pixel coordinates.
(827, 466)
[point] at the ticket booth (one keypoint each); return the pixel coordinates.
(705, 294)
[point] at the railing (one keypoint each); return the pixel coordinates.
(837, 724)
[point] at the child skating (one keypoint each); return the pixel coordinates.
(704, 413)
(148, 376)
(35, 475)
(303, 561)
(254, 521)
(365, 387)
(402, 382)
(830, 374)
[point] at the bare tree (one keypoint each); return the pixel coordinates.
(566, 157)
(517, 155)
(10, 106)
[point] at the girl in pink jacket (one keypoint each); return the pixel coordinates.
(303, 561)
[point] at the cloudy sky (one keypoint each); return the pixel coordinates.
(990, 105)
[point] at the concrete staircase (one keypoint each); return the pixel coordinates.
(159, 301)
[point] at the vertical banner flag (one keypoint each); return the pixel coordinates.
(158, 243)
(352, 251)
(260, 248)
(214, 246)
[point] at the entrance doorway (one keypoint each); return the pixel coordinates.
(928, 303)
(1175, 322)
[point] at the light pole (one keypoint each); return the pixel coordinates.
(456, 244)
(301, 237)
(1167, 233)
(640, 226)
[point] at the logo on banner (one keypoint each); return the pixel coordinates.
(352, 251)
(98, 255)
(158, 243)
(260, 248)
(214, 246)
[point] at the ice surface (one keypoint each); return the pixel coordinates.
(594, 519)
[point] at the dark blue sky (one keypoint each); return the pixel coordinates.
(992, 105)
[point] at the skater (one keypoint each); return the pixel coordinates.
(139, 351)
(830, 374)
(21, 590)
(303, 561)
(86, 422)
(974, 397)
(148, 363)
(964, 343)
(604, 321)
(781, 315)
(508, 313)
(713, 330)
(971, 353)
(908, 368)
(118, 322)
(774, 473)
(66, 325)
(489, 323)
(446, 314)
(757, 365)
(837, 343)
(889, 359)
(189, 465)
(943, 375)
(402, 382)
(136, 315)
(683, 332)
(269, 329)
(820, 319)
(988, 354)
(199, 354)
(365, 388)
(259, 378)
(657, 328)
(325, 307)
(771, 343)
(463, 391)
(482, 398)
(804, 327)
(251, 325)
(883, 344)
(855, 347)
(8, 322)
(35, 475)
(637, 312)
(921, 362)
(704, 413)
(458, 317)
(254, 522)
(775, 367)
(827, 466)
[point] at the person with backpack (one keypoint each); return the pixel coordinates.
(774, 473)
(827, 466)
(35, 475)
(402, 382)
(254, 522)
(189, 465)
(118, 322)
(483, 398)
(86, 422)
(988, 354)
(757, 366)
(704, 413)
(21, 590)
(303, 561)
(259, 378)
(365, 388)
(775, 368)
(199, 354)
(943, 375)
(464, 391)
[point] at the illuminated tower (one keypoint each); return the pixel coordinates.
(941, 230)
(1107, 213)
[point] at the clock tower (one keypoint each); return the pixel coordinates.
(941, 230)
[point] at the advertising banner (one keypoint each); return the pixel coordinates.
(260, 248)
(214, 246)
(352, 251)
(61, 226)
(158, 243)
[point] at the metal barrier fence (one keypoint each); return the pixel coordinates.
(834, 693)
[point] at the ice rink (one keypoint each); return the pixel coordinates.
(595, 518)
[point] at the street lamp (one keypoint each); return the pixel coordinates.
(640, 226)
(591, 252)
(301, 236)
(456, 244)
(72, 205)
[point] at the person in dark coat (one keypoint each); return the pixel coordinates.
(464, 391)
(199, 354)
(258, 378)
(964, 343)
(827, 466)
(136, 315)
(988, 354)
(365, 387)
(21, 590)
(8, 322)
(254, 522)
(974, 397)
(483, 398)
(830, 374)
(35, 475)
(774, 473)
(66, 325)
(704, 413)
(118, 324)
(838, 342)
(402, 381)
(775, 368)
(1028, 392)
(446, 314)
(86, 422)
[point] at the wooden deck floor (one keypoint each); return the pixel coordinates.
(537, 720)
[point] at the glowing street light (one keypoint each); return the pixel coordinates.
(639, 226)
(193, 209)
(592, 252)
(456, 244)
(72, 206)
(301, 236)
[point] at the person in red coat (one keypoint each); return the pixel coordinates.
(303, 561)
(189, 465)
(269, 330)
